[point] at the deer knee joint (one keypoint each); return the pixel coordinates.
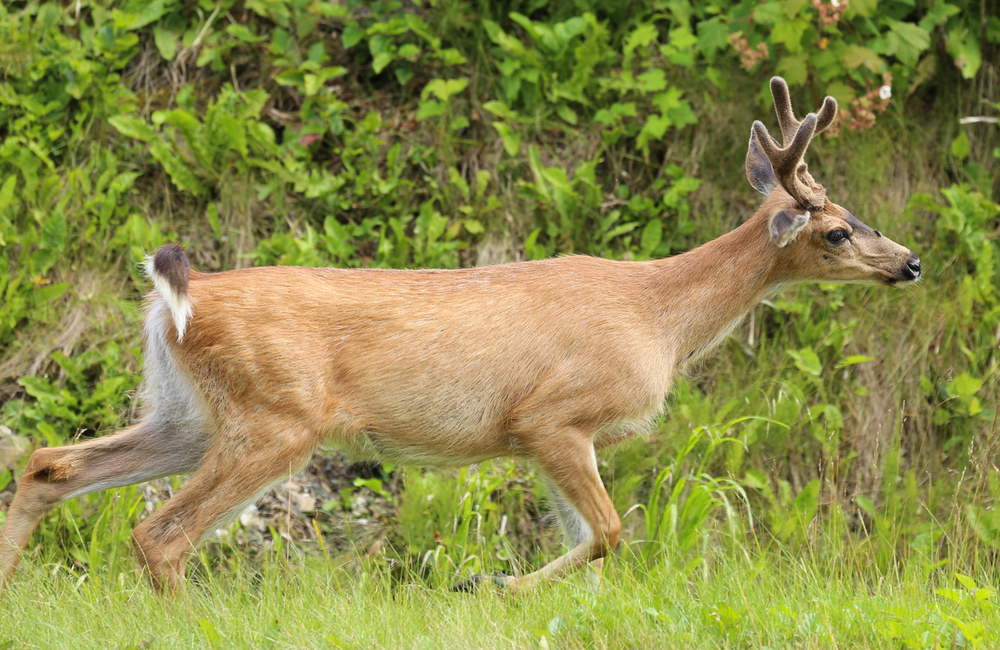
(43, 467)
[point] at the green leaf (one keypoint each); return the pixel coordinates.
(652, 233)
(211, 634)
(794, 68)
(403, 72)
(852, 360)
(768, 13)
(151, 12)
(964, 386)
(682, 114)
(53, 291)
(166, 42)
(179, 172)
(926, 70)
(474, 227)
(443, 89)
(566, 113)
(807, 361)
(451, 56)
(499, 109)
(511, 139)
(960, 146)
(352, 36)
(964, 49)
(243, 33)
(53, 235)
(841, 92)
(790, 33)
(755, 479)
(807, 500)
(235, 136)
(791, 8)
(186, 123)
(212, 214)
(291, 78)
(311, 83)
(133, 127)
(938, 15)
(865, 504)
(430, 108)
(713, 35)
(855, 56)
(643, 35)
(966, 581)
(862, 8)
(833, 415)
(652, 81)
(381, 60)
(906, 41)
(7, 193)
(654, 129)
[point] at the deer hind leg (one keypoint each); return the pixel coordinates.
(147, 450)
(572, 469)
(240, 465)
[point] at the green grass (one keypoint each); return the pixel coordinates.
(739, 599)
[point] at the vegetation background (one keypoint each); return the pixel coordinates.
(828, 478)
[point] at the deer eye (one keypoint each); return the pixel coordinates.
(836, 236)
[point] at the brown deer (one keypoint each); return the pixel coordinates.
(248, 371)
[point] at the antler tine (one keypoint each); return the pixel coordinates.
(786, 116)
(787, 162)
(789, 157)
(827, 114)
(783, 107)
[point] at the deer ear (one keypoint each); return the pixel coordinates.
(759, 170)
(786, 225)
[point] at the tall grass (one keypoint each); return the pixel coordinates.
(743, 598)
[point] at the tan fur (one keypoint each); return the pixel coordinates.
(539, 360)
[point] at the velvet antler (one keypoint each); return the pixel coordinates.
(789, 169)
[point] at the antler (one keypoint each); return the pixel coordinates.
(786, 161)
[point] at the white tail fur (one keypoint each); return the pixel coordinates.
(174, 292)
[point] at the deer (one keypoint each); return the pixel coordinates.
(247, 372)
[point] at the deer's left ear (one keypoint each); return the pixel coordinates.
(786, 225)
(759, 170)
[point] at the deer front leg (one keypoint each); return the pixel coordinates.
(569, 462)
(575, 529)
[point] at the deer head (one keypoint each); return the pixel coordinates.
(821, 240)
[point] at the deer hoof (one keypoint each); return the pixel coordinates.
(471, 585)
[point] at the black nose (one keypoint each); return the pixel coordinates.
(912, 268)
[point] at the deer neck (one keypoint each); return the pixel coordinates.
(706, 292)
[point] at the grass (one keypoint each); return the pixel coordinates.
(739, 599)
